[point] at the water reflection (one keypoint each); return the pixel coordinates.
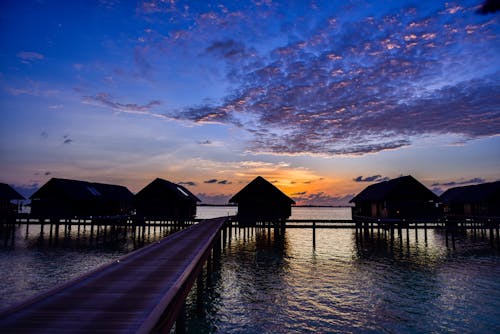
(34, 259)
(273, 281)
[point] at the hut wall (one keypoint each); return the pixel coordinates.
(257, 210)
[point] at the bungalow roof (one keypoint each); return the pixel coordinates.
(472, 194)
(82, 190)
(262, 189)
(8, 193)
(393, 188)
(160, 187)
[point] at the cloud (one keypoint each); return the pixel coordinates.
(104, 99)
(28, 56)
(373, 178)
(188, 183)
(228, 49)
(44, 135)
(67, 140)
(205, 142)
(212, 181)
(363, 86)
(459, 183)
(213, 199)
(321, 198)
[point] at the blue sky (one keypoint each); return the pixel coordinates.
(320, 97)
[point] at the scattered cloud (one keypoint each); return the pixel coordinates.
(212, 181)
(188, 183)
(56, 106)
(459, 183)
(104, 99)
(373, 178)
(67, 140)
(366, 85)
(213, 198)
(321, 198)
(27, 56)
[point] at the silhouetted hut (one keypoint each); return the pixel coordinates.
(162, 199)
(475, 200)
(260, 201)
(7, 196)
(63, 198)
(403, 197)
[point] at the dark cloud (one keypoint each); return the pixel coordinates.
(44, 135)
(489, 6)
(300, 193)
(459, 183)
(105, 100)
(213, 199)
(67, 140)
(226, 49)
(188, 183)
(367, 85)
(212, 181)
(321, 198)
(373, 178)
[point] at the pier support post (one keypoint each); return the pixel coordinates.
(180, 322)
(314, 235)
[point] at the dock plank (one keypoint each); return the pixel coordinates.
(126, 296)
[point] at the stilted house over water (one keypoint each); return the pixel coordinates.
(260, 201)
(399, 198)
(481, 200)
(64, 198)
(162, 199)
(7, 196)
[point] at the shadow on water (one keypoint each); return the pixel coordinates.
(46, 258)
(421, 279)
(254, 260)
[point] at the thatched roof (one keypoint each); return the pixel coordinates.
(160, 188)
(472, 194)
(77, 190)
(260, 188)
(404, 187)
(8, 193)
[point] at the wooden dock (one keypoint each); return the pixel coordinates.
(141, 292)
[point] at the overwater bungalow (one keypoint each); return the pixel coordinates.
(7, 195)
(162, 199)
(403, 197)
(64, 198)
(260, 201)
(474, 200)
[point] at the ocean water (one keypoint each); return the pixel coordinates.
(270, 281)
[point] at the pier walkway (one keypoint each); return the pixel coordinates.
(139, 293)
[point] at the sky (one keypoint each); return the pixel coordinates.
(322, 98)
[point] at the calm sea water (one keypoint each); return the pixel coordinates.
(281, 282)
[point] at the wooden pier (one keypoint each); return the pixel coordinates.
(141, 292)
